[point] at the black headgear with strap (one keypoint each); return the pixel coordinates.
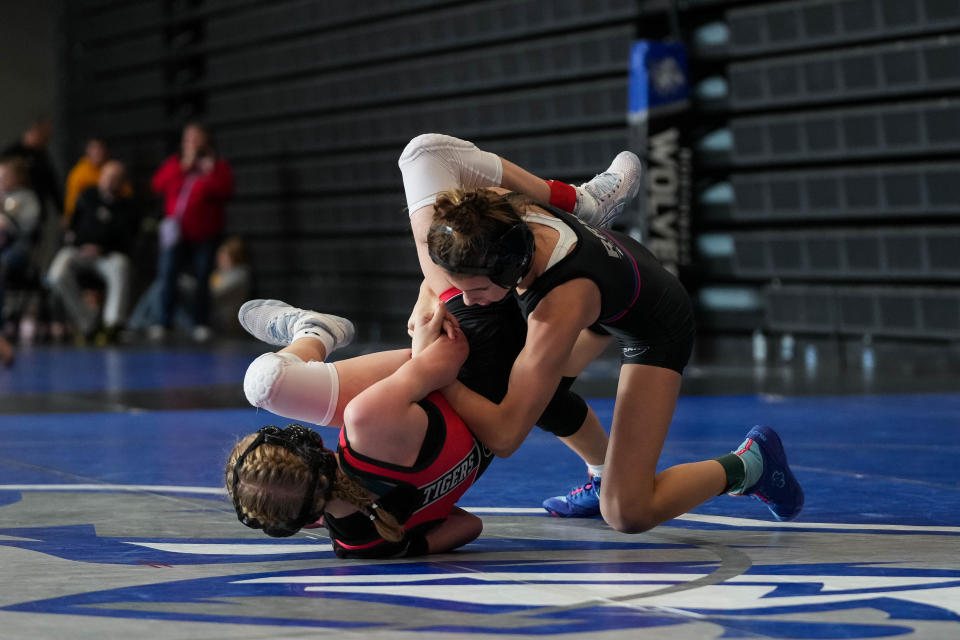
(506, 261)
(308, 446)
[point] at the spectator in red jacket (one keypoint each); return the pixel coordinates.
(195, 185)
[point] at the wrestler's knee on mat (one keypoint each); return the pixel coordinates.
(626, 515)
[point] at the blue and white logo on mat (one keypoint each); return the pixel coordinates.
(497, 591)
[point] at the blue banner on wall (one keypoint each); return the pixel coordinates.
(659, 77)
(658, 95)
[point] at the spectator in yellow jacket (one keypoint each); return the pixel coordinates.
(85, 174)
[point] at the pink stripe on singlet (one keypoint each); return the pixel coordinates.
(361, 546)
(636, 273)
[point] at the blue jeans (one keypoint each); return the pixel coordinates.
(146, 313)
(202, 254)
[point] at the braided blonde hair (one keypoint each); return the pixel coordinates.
(349, 491)
(273, 481)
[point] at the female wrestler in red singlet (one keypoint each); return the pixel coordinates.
(404, 457)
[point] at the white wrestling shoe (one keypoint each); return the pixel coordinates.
(601, 201)
(276, 322)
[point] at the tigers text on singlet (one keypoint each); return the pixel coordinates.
(449, 462)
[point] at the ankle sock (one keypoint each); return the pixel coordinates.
(595, 470)
(562, 195)
(750, 461)
(321, 334)
(734, 468)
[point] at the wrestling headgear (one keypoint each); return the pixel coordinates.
(507, 258)
(308, 446)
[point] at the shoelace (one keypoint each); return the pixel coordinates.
(606, 183)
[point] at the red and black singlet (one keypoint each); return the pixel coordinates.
(420, 496)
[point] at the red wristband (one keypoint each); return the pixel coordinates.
(562, 195)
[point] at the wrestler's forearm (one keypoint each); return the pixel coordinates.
(493, 424)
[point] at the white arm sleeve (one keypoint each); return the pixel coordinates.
(432, 163)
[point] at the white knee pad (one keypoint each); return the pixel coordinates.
(285, 385)
(432, 163)
(263, 377)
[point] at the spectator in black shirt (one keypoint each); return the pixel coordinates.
(32, 150)
(101, 232)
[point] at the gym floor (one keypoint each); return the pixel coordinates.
(114, 524)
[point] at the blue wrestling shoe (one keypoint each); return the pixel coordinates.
(777, 487)
(581, 502)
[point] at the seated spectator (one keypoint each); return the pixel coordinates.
(230, 285)
(19, 224)
(86, 174)
(101, 232)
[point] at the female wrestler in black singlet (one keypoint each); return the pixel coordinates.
(433, 163)
(404, 457)
(578, 286)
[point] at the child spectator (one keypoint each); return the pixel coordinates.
(230, 285)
